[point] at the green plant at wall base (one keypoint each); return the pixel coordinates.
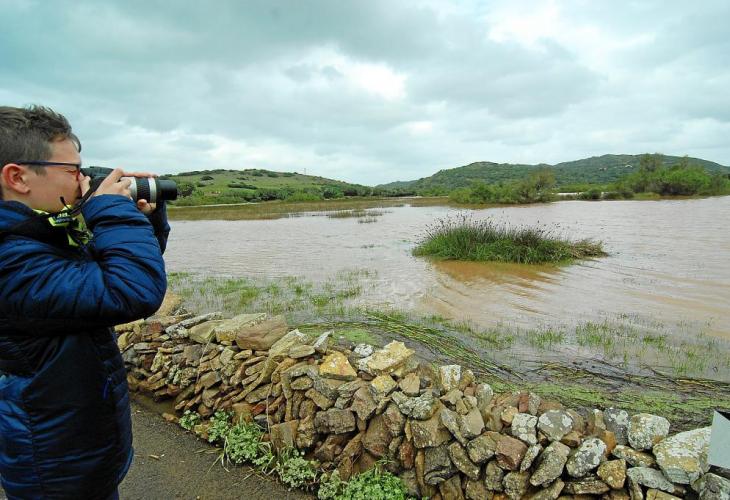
(242, 443)
(220, 425)
(266, 460)
(330, 486)
(294, 470)
(189, 420)
(374, 483)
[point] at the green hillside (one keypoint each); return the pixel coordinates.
(595, 170)
(239, 186)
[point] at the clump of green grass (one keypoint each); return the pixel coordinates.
(463, 238)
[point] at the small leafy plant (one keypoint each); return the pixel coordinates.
(294, 470)
(242, 443)
(374, 483)
(220, 425)
(189, 420)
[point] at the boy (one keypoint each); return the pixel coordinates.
(65, 427)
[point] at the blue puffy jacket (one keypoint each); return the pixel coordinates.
(65, 427)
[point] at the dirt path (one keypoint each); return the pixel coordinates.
(186, 467)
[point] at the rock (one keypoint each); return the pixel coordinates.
(437, 465)
(259, 335)
(471, 425)
(319, 399)
(586, 486)
(449, 375)
(711, 487)
(451, 489)
(552, 492)
(407, 454)
(284, 435)
(683, 457)
(460, 459)
(204, 332)
(483, 447)
(516, 484)
(510, 452)
(410, 385)
(586, 458)
(209, 379)
(555, 424)
(387, 359)
(484, 395)
(306, 434)
(420, 408)
(523, 428)
(617, 421)
(450, 420)
(613, 473)
(377, 437)
(282, 346)
(476, 490)
(572, 439)
(334, 421)
(508, 414)
(227, 330)
(336, 366)
(550, 464)
(363, 350)
(650, 478)
(320, 345)
(633, 457)
(363, 403)
(452, 398)
(301, 384)
(467, 379)
(429, 433)
(533, 403)
(394, 419)
(180, 330)
(301, 351)
(493, 476)
(659, 495)
(530, 456)
(381, 386)
(645, 430)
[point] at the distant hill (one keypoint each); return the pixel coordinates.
(595, 170)
(233, 186)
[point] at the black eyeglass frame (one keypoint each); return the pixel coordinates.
(39, 163)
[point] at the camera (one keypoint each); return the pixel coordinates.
(142, 188)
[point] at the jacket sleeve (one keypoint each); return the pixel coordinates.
(120, 280)
(158, 219)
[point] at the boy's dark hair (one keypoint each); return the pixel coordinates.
(27, 134)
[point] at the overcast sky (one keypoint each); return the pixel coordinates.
(372, 91)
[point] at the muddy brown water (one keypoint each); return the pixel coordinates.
(668, 263)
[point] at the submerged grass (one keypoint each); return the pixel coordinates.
(463, 238)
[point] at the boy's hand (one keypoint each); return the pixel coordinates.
(114, 184)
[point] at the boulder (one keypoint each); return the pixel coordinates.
(387, 359)
(555, 424)
(227, 330)
(550, 464)
(587, 457)
(260, 335)
(645, 430)
(204, 332)
(523, 428)
(437, 465)
(650, 478)
(336, 366)
(334, 421)
(617, 421)
(683, 457)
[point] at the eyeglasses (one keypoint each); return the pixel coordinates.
(76, 166)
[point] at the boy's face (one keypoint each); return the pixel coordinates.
(60, 181)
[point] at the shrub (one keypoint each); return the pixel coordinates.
(294, 470)
(220, 425)
(189, 420)
(207, 178)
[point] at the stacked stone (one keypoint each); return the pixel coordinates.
(443, 433)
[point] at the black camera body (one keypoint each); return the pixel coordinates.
(142, 188)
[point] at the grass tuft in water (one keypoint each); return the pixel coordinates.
(462, 238)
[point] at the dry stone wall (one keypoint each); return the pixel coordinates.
(443, 433)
